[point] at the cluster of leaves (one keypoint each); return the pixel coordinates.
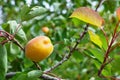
(89, 55)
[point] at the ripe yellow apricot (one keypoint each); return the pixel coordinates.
(45, 29)
(38, 48)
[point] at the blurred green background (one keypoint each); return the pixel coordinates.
(85, 61)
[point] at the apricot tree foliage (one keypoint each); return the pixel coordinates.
(91, 47)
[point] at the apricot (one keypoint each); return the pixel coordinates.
(45, 29)
(38, 48)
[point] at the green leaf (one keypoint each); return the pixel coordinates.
(98, 54)
(77, 22)
(37, 10)
(88, 15)
(113, 3)
(34, 74)
(95, 38)
(20, 76)
(34, 12)
(78, 56)
(20, 33)
(27, 63)
(103, 39)
(115, 64)
(24, 11)
(14, 49)
(56, 6)
(21, 36)
(5, 27)
(3, 62)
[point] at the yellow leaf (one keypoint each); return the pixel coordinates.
(95, 38)
(88, 15)
(118, 13)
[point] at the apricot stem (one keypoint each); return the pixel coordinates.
(37, 65)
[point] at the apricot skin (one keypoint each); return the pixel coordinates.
(38, 48)
(45, 29)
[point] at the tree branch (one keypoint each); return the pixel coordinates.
(47, 77)
(10, 75)
(106, 61)
(44, 76)
(67, 56)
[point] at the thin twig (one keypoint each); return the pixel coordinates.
(7, 36)
(113, 47)
(10, 37)
(116, 36)
(105, 36)
(4, 41)
(17, 29)
(37, 65)
(18, 44)
(99, 4)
